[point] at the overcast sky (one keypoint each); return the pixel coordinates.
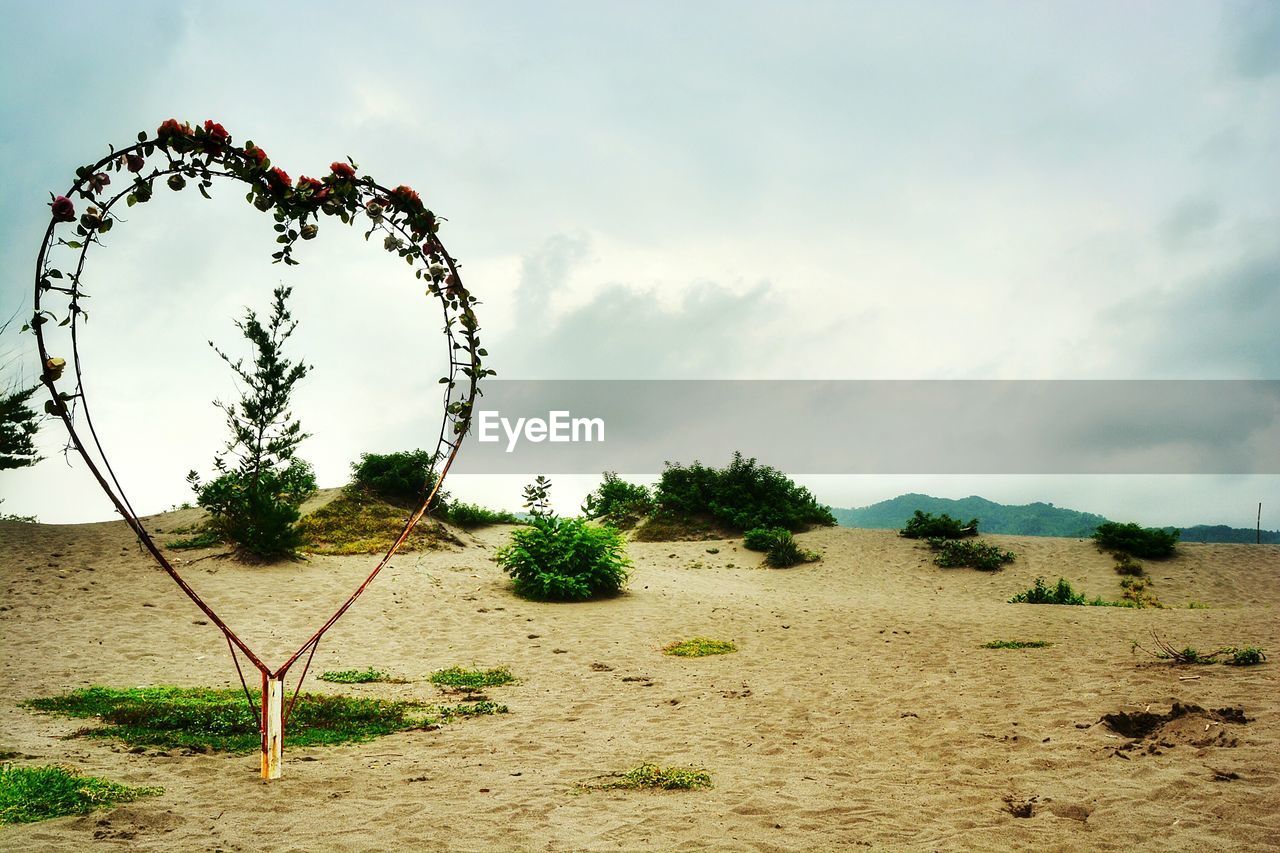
(669, 190)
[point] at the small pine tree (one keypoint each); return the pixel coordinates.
(255, 499)
(18, 423)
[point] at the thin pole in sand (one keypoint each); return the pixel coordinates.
(1259, 522)
(272, 725)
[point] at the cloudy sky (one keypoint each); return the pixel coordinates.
(669, 190)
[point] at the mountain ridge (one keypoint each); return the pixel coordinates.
(1033, 519)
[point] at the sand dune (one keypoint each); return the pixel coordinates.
(859, 711)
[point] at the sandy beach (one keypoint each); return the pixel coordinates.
(859, 711)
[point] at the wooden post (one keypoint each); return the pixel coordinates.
(272, 728)
(1259, 522)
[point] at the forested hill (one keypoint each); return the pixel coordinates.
(1036, 519)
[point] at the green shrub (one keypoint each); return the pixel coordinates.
(257, 516)
(402, 478)
(565, 559)
(785, 553)
(953, 553)
(743, 495)
(925, 525)
(29, 794)
(1248, 656)
(472, 679)
(1151, 543)
(764, 538)
(1039, 593)
(471, 516)
(618, 502)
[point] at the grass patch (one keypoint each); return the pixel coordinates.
(200, 539)
(472, 679)
(652, 777)
(358, 676)
(699, 647)
(358, 522)
(207, 720)
(1017, 644)
(29, 794)
(471, 709)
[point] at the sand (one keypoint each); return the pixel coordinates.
(860, 711)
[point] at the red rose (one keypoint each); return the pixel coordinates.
(170, 129)
(319, 192)
(134, 162)
(280, 178)
(342, 170)
(216, 132)
(63, 209)
(256, 154)
(406, 194)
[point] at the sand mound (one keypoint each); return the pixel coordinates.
(1183, 725)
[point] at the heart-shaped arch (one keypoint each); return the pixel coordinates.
(178, 154)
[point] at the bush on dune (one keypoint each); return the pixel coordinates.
(1152, 543)
(924, 525)
(565, 559)
(780, 547)
(403, 478)
(1040, 593)
(742, 496)
(764, 538)
(562, 559)
(953, 553)
(473, 516)
(618, 502)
